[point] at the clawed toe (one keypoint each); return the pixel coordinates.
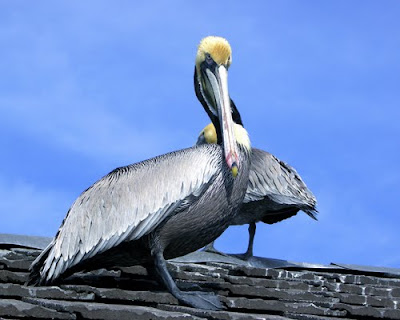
(201, 300)
(189, 286)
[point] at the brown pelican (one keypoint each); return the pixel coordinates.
(163, 207)
(275, 191)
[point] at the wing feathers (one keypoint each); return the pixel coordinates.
(128, 203)
(270, 177)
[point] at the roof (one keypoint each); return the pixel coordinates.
(260, 289)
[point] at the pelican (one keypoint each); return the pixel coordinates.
(163, 207)
(275, 191)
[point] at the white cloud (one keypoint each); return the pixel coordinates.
(92, 131)
(26, 209)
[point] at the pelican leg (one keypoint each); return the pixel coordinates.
(252, 233)
(195, 299)
(249, 253)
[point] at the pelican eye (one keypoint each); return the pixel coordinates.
(209, 59)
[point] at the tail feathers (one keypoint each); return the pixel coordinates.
(312, 213)
(35, 278)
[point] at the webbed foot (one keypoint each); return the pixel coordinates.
(186, 286)
(201, 300)
(196, 299)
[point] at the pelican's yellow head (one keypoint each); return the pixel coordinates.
(209, 136)
(214, 56)
(216, 48)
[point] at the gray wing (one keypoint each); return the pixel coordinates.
(273, 178)
(128, 203)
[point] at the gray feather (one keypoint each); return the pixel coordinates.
(273, 187)
(126, 204)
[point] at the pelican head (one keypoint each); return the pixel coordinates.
(209, 135)
(214, 56)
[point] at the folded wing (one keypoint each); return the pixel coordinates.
(128, 203)
(275, 179)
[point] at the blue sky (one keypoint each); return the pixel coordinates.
(89, 86)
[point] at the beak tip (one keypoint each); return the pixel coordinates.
(234, 169)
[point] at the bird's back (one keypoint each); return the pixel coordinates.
(275, 191)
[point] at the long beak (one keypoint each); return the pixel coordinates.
(219, 83)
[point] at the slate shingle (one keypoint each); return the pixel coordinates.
(291, 292)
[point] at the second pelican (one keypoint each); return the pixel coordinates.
(275, 191)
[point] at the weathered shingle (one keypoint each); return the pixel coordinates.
(288, 291)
